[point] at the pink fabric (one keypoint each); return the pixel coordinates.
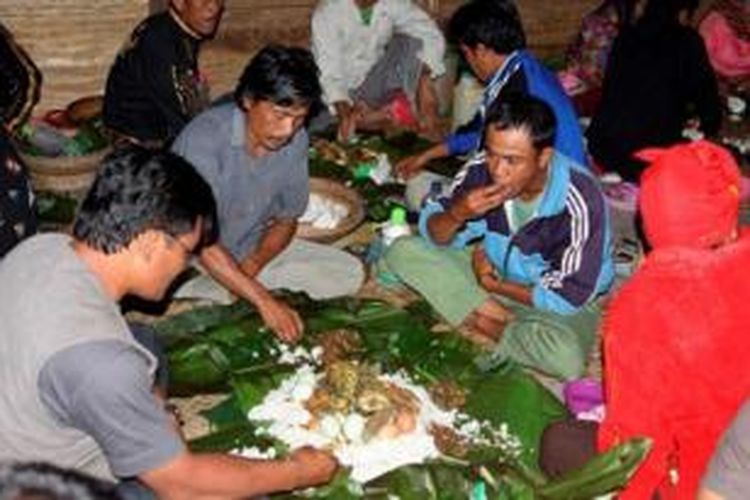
(745, 188)
(400, 110)
(729, 55)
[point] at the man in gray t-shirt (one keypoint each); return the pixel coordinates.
(728, 474)
(77, 388)
(253, 153)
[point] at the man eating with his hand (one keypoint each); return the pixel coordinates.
(521, 244)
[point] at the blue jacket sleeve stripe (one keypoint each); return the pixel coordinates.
(571, 282)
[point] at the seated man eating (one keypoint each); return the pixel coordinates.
(370, 52)
(253, 154)
(531, 285)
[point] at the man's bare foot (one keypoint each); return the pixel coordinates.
(470, 332)
(489, 327)
(495, 310)
(373, 119)
(427, 108)
(485, 325)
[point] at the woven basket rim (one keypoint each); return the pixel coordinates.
(64, 166)
(341, 194)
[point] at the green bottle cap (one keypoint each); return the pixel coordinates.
(398, 216)
(362, 171)
(479, 490)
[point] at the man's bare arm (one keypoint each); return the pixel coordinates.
(275, 239)
(198, 476)
(280, 318)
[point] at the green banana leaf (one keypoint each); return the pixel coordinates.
(230, 438)
(340, 488)
(54, 208)
(604, 473)
(227, 347)
(512, 397)
(226, 415)
(435, 481)
(185, 326)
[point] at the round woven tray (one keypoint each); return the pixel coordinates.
(340, 194)
(63, 173)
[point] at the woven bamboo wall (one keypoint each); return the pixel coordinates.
(74, 41)
(551, 24)
(248, 24)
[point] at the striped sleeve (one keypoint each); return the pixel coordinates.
(471, 176)
(572, 279)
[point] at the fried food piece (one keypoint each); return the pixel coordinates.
(447, 395)
(342, 377)
(339, 344)
(448, 441)
(402, 398)
(330, 151)
(362, 155)
(373, 401)
(319, 402)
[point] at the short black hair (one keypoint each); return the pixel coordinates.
(668, 10)
(286, 76)
(495, 24)
(525, 112)
(624, 9)
(137, 190)
(41, 481)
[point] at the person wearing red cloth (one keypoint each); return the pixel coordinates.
(675, 344)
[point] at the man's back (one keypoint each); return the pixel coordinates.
(654, 76)
(48, 302)
(676, 356)
(77, 387)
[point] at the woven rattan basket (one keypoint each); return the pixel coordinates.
(63, 174)
(340, 194)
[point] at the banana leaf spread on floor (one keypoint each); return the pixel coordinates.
(405, 409)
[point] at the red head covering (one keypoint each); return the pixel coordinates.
(689, 195)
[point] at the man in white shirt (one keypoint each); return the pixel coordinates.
(370, 52)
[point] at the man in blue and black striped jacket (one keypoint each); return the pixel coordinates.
(518, 255)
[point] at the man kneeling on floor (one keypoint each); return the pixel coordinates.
(531, 286)
(77, 385)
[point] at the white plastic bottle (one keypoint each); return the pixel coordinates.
(396, 226)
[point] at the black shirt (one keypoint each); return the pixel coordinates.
(17, 214)
(19, 82)
(154, 87)
(657, 77)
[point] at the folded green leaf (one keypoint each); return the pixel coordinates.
(604, 473)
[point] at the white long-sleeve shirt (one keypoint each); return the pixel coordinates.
(345, 48)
